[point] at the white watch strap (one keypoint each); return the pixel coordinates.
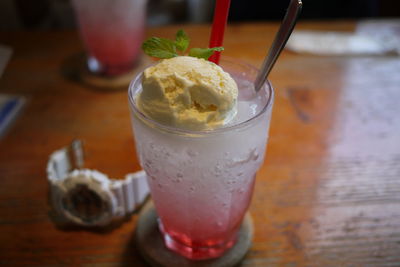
(64, 160)
(130, 192)
(126, 194)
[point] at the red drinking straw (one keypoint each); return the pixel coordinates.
(218, 27)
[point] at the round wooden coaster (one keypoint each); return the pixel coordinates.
(110, 83)
(151, 245)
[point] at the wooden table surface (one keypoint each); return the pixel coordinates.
(328, 193)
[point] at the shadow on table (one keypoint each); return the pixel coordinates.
(131, 255)
(65, 226)
(74, 68)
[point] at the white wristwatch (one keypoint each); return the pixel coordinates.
(88, 197)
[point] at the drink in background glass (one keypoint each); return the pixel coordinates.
(201, 182)
(112, 31)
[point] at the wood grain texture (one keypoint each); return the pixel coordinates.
(328, 193)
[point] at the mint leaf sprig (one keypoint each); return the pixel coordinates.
(159, 47)
(182, 40)
(166, 48)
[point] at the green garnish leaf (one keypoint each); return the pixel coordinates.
(204, 52)
(166, 48)
(182, 41)
(159, 47)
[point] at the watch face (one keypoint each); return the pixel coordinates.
(85, 204)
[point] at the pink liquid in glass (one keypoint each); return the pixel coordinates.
(208, 237)
(115, 52)
(112, 31)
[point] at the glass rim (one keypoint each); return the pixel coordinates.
(171, 129)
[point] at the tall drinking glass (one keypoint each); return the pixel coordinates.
(112, 31)
(201, 182)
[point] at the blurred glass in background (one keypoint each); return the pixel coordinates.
(112, 31)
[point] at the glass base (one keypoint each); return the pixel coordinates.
(98, 68)
(195, 252)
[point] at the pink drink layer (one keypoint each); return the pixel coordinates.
(112, 32)
(202, 184)
(208, 237)
(116, 51)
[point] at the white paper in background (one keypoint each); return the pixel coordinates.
(371, 37)
(387, 32)
(333, 43)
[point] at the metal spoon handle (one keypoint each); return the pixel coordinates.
(279, 43)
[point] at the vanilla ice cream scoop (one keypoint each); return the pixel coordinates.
(189, 93)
